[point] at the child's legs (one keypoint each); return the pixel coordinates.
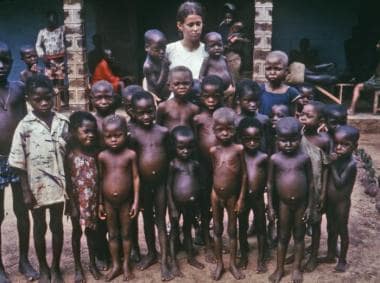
(260, 225)
(299, 235)
(174, 235)
(243, 227)
(232, 229)
(284, 228)
(332, 230)
(343, 213)
(75, 241)
(1, 222)
(39, 231)
(56, 228)
(217, 217)
(125, 226)
(188, 218)
(101, 247)
(160, 213)
(113, 233)
(149, 220)
(91, 245)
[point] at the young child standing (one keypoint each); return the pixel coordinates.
(156, 65)
(82, 187)
(178, 111)
(306, 95)
(37, 153)
(336, 115)
(275, 91)
(119, 196)
(127, 93)
(250, 132)
(183, 189)
(229, 186)
(290, 177)
(29, 56)
(339, 188)
(12, 110)
(150, 142)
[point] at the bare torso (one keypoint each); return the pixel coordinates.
(205, 135)
(219, 68)
(256, 173)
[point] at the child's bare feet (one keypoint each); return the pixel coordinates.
(166, 275)
(218, 271)
(289, 259)
(297, 276)
(102, 264)
(147, 261)
(175, 271)
(243, 262)
(210, 257)
(311, 264)
(236, 272)
(193, 262)
(114, 272)
(135, 255)
(127, 273)
(261, 267)
(327, 259)
(276, 276)
(341, 266)
(79, 275)
(27, 270)
(95, 272)
(56, 276)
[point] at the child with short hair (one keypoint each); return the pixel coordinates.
(83, 187)
(156, 65)
(306, 94)
(229, 186)
(119, 194)
(211, 99)
(250, 131)
(150, 142)
(275, 91)
(127, 93)
(29, 55)
(340, 183)
(279, 111)
(216, 64)
(290, 176)
(37, 153)
(336, 115)
(178, 110)
(183, 189)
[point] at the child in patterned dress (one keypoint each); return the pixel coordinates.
(82, 187)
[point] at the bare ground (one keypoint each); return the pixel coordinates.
(363, 255)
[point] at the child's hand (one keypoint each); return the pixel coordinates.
(101, 212)
(134, 210)
(29, 200)
(239, 206)
(306, 215)
(271, 214)
(73, 209)
(166, 62)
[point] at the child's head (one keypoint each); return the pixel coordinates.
(276, 67)
(5, 61)
(279, 111)
(52, 19)
(144, 109)
(39, 92)
(212, 92)
(248, 94)
(224, 124)
(28, 54)
(183, 141)
(155, 44)
(345, 140)
(312, 115)
(306, 94)
(83, 130)
(102, 97)
(127, 93)
(288, 132)
(108, 55)
(214, 44)
(114, 132)
(250, 131)
(190, 21)
(336, 115)
(180, 81)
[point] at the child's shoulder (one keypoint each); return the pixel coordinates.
(61, 117)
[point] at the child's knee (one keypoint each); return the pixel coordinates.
(56, 226)
(218, 229)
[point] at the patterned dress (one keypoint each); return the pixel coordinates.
(84, 178)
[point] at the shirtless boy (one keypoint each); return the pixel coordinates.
(12, 110)
(178, 111)
(119, 197)
(216, 64)
(336, 115)
(250, 132)
(290, 176)
(29, 56)
(229, 186)
(211, 99)
(339, 188)
(156, 65)
(127, 93)
(150, 143)
(183, 189)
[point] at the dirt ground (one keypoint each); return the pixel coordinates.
(363, 255)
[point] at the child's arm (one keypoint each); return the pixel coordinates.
(28, 196)
(160, 115)
(309, 178)
(173, 212)
(101, 211)
(271, 173)
(136, 187)
(151, 77)
(204, 68)
(243, 189)
(325, 176)
(72, 208)
(341, 180)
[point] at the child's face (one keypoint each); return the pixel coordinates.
(184, 147)
(214, 46)
(224, 131)
(250, 138)
(41, 101)
(335, 119)
(180, 83)
(156, 49)
(86, 133)
(306, 96)
(102, 99)
(275, 70)
(309, 117)
(343, 145)
(108, 56)
(277, 114)
(191, 28)
(5, 65)
(30, 57)
(144, 112)
(114, 136)
(288, 143)
(210, 97)
(248, 103)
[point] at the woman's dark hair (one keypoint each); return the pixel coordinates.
(189, 8)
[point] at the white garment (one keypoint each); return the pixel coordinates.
(50, 43)
(180, 56)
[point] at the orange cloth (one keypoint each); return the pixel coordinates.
(104, 72)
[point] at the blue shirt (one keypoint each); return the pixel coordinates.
(268, 99)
